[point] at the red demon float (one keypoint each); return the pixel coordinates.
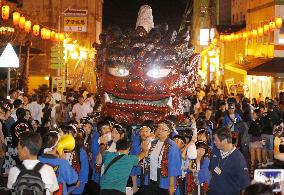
(145, 74)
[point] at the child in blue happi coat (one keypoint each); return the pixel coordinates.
(66, 175)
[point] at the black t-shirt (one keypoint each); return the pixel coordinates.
(255, 128)
(268, 121)
(17, 128)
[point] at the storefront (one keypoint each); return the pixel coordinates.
(257, 75)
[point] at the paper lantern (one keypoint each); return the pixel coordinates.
(254, 33)
(47, 34)
(52, 35)
(245, 35)
(16, 18)
(228, 38)
(42, 33)
(22, 22)
(239, 36)
(272, 26)
(56, 37)
(36, 29)
(5, 12)
(61, 37)
(28, 26)
(278, 22)
(260, 31)
(265, 29)
(249, 34)
(233, 37)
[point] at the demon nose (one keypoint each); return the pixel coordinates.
(136, 85)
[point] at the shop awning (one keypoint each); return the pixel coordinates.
(273, 67)
(258, 66)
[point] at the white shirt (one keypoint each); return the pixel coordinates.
(56, 96)
(81, 111)
(47, 174)
(184, 167)
(191, 152)
(155, 160)
(226, 154)
(90, 101)
(36, 110)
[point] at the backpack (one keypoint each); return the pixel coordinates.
(29, 182)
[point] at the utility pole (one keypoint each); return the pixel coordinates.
(210, 11)
(186, 15)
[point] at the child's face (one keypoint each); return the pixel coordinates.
(88, 129)
(115, 136)
(145, 132)
(202, 137)
(105, 129)
(200, 152)
(179, 143)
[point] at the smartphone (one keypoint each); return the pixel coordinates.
(272, 177)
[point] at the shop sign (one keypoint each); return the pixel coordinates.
(75, 24)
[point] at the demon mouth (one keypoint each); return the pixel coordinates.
(165, 102)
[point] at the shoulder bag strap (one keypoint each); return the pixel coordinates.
(112, 162)
(38, 167)
(21, 167)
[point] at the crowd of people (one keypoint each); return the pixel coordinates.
(214, 150)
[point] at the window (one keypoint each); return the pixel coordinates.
(237, 18)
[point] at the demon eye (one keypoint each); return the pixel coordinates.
(119, 71)
(158, 72)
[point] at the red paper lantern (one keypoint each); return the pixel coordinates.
(47, 34)
(272, 26)
(245, 35)
(61, 37)
(43, 33)
(5, 12)
(16, 18)
(254, 33)
(260, 31)
(56, 37)
(22, 22)
(36, 29)
(52, 35)
(265, 29)
(28, 26)
(278, 22)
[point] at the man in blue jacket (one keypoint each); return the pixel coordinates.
(229, 172)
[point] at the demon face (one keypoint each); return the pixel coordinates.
(145, 76)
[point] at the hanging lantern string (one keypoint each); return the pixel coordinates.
(255, 32)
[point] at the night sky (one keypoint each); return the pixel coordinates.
(123, 13)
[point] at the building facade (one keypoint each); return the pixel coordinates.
(239, 12)
(50, 13)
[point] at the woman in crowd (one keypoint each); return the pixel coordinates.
(146, 134)
(199, 176)
(255, 145)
